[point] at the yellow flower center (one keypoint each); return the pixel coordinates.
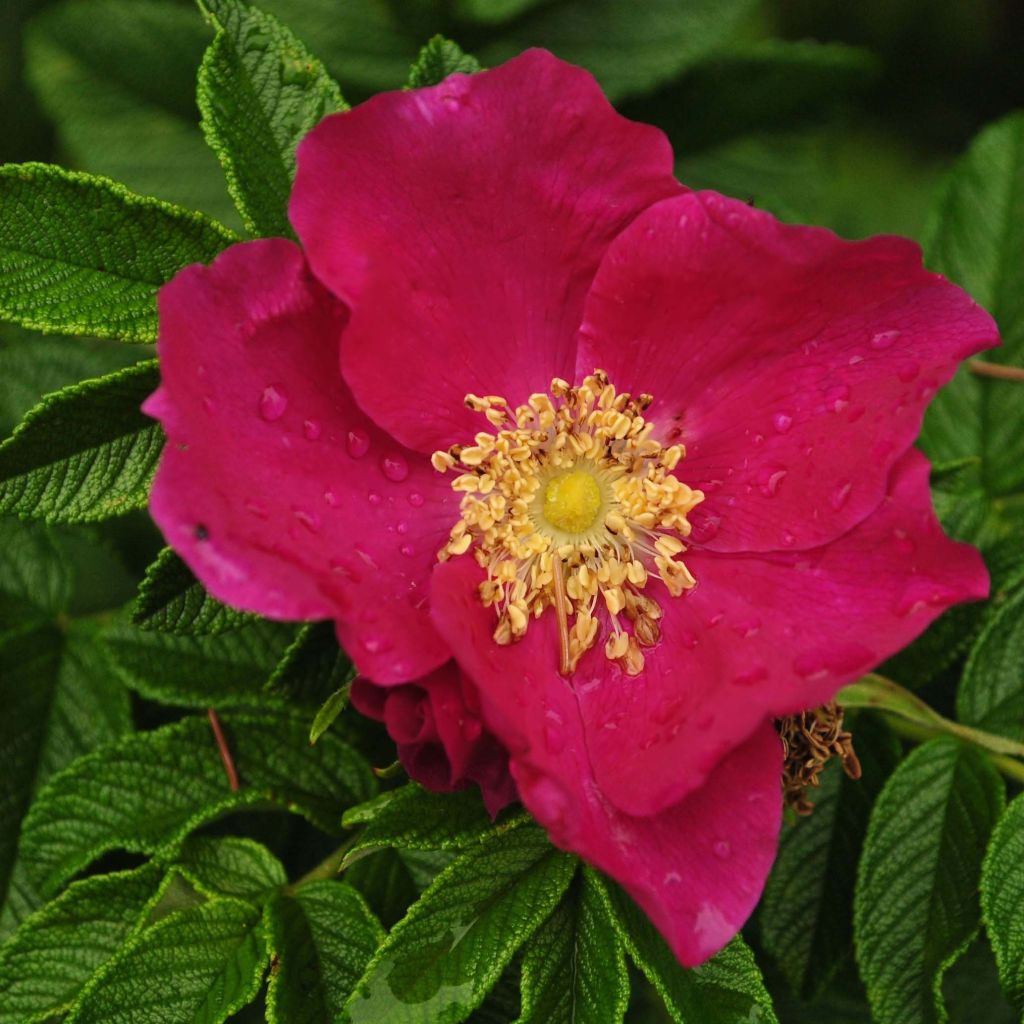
(570, 504)
(572, 501)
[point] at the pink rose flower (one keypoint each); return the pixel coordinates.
(636, 459)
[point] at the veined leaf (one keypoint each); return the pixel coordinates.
(976, 238)
(574, 969)
(83, 255)
(727, 989)
(47, 962)
(84, 453)
(916, 907)
(807, 910)
(224, 671)
(148, 792)
(59, 701)
(991, 694)
(1002, 900)
(35, 579)
(172, 600)
(200, 964)
(118, 80)
(323, 936)
(414, 818)
(441, 959)
(312, 668)
(32, 365)
(439, 59)
(230, 866)
(260, 91)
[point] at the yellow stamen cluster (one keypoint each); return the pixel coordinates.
(571, 504)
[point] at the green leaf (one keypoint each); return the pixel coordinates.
(84, 453)
(260, 92)
(629, 47)
(991, 694)
(414, 818)
(323, 936)
(118, 80)
(83, 255)
(916, 906)
(148, 792)
(976, 238)
(32, 365)
(200, 964)
(439, 59)
(727, 989)
(172, 600)
(492, 10)
(223, 671)
(59, 701)
(806, 913)
(441, 959)
(329, 711)
(385, 883)
(574, 969)
(45, 964)
(312, 668)
(35, 579)
(1002, 900)
(230, 866)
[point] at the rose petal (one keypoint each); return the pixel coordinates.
(795, 366)
(277, 490)
(462, 224)
(768, 636)
(696, 868)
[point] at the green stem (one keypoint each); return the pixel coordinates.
(916, 720)
(330, 867)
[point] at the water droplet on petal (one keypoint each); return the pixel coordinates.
(883, 339)
(209, 404)
(374, 498)
(358, 443)
(255, 509)
(375, 643)
(752, 677)
(788, 539)
(903, 542)
(837, 398)
(310, 520)
(273, 403)
(782, 422)
(769, 479)
(332, 499)
(408, 550)
(415, 499)
(394, 467)
(840, 495)
(402, 527)
(310, 430)
(908, 372)
(722, 849)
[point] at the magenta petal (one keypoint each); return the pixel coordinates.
(768, 636)
(281, 495)
(442, 743)
(697, 868)
(462, 225)
(795, 366)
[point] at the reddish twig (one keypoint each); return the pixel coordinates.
(996, 370)
(225, 751)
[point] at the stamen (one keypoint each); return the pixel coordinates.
(571, 503)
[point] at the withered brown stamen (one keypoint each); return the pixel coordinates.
(809, 741)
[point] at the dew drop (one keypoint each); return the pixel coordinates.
(883, 339)
(415, 499)
(402, 527)
(408, 550)
(332, 499)
(375, 643)
(358, 443)
(840, 495)
(782, 422)
(770, 479)
(788, 539)
(722, 849)
(752, 677)
(273, 403)
(255, 509)
(903, 542)
(837, 398)
(310, 520)
(209, 404)
(395, 468)
(908, 372)
(310, 430)
(374, 498)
